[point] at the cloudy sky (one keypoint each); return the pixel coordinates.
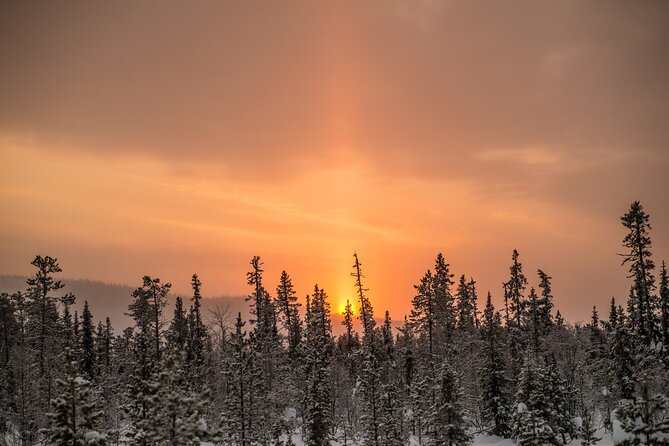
(168, 138)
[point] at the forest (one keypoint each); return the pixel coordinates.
(453, 370)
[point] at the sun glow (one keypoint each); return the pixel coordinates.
(341, 308)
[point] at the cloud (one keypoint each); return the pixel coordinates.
(331, 126)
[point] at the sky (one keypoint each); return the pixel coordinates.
(167, 138)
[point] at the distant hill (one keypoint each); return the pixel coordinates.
(108, 299)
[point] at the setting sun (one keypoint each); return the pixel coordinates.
(341, 307)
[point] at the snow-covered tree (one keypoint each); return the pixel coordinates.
(641, 266)
(87, 343)
(448, 420)
(494, 384)
(645, 418)
(318, 351)
(74, 417)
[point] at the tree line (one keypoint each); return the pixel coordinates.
(453, 368)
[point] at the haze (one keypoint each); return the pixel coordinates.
(178, 137)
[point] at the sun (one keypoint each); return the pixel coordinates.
(341, 308)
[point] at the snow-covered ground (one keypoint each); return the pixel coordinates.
(479, 440)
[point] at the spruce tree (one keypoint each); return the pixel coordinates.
(530, 426)
(641, 267)
(448, 418)
(622, 366)
(516, 289)
(366, 313)
(147, 309)
(74, 417)
(494, 383)
(645, 418)
(197, 338)
(533, 322)
(545, 303)
(424, 312)
(42, 325)
(87, 346)
(9, 337)
(664, 307)
(142, 383)
(587, 432)
(515, 295)
(445, 316)
(264, 358)
(237, 415)
(288, 312)
(176, 416)
(466, 305)
(347, 322)
(178, 331)
(557, 413)
(318, 349)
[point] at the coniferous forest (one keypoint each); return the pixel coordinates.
(452, 371)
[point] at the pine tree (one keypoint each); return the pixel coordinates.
(87, 348)
(176, 416)
(147, 310)
(42, 325)
(587, 432)
(466, 305)
(74, 418)
(447, 418)
(622, 362)
(370, 380)
(533, 322)
(264, 359)
(371, 390)
(9, 337)
(646, 418)
(259, 296)
(641, 266)
(424, 311)
(288, 312)
(597, 365)
(493, 374)
(545, 304)
(557, 412)
(613, 315)
(366, 314)
(387, 336)
(514, 294)
(664, 306)
(237, 415)
(197, 338)
(142, 384)
(445, 318)
(516, 288)
(391, 428)
(27, 408)
(318, 348)
(530, 426)
(178, 331)
(347, 322)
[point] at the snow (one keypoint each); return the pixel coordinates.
(93, 436)
(480, 440)
(290, 413)
(81, 381)
(619, 435)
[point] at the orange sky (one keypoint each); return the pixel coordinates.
(137, 139)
